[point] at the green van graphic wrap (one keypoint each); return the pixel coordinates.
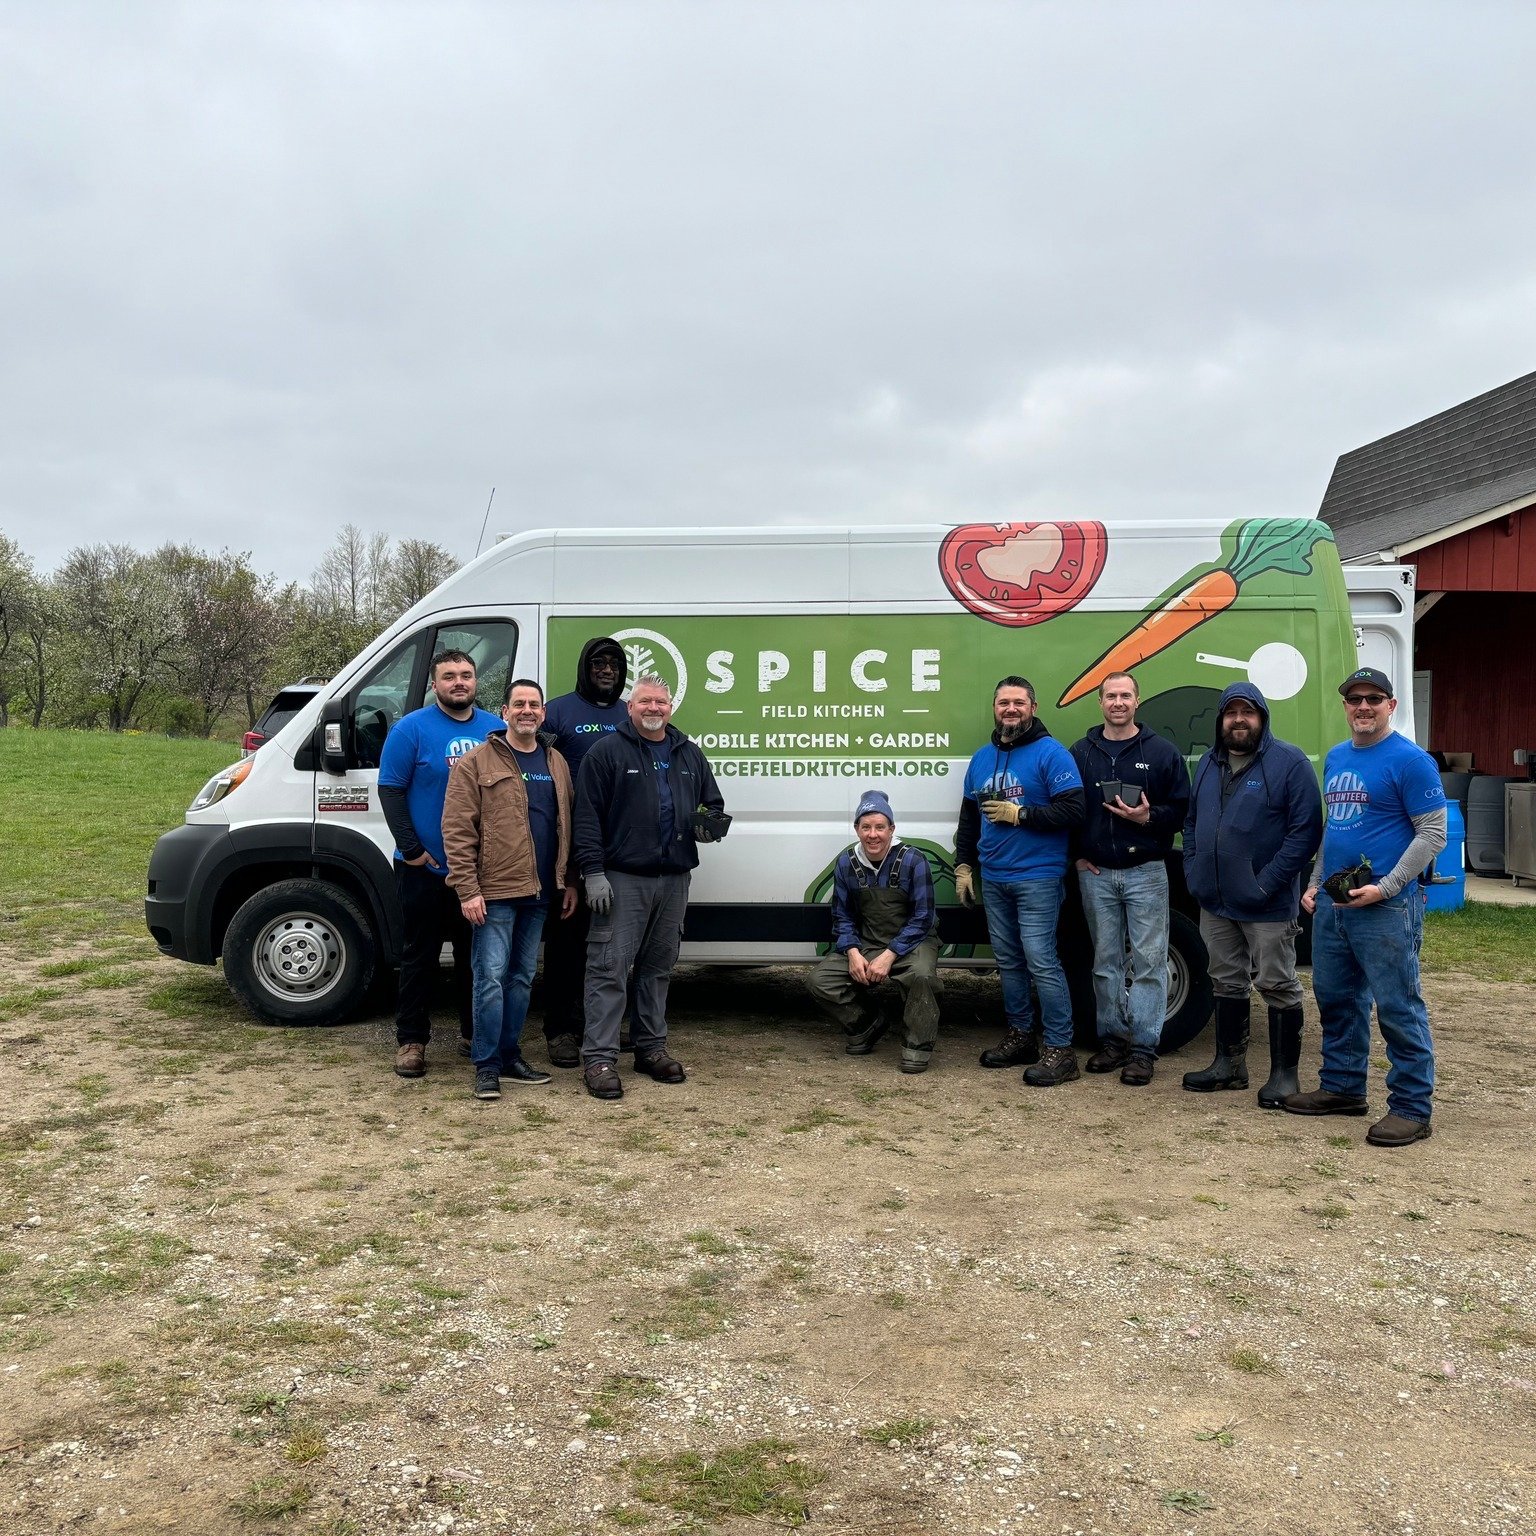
(863, 695)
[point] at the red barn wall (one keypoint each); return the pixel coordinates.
(1498, 557)
(1480, 649)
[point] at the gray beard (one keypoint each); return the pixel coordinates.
(1008, 734)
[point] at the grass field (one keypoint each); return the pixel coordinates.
(79, 813)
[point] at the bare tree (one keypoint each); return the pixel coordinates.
(419, 566)
(340, 581)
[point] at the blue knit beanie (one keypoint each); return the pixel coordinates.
(873, 803)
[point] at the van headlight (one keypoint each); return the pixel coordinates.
(222, 783)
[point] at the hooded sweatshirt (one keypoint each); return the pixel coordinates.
(578, 721)
(1038, 773)
(1251, 835)
(1145, 759)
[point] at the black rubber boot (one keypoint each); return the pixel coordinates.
(1230, 1068)
(1284, 1057)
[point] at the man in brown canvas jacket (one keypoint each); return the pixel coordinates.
(507, 834)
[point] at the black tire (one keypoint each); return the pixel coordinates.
(1189, 987)
(300, 952)
(1189, 984)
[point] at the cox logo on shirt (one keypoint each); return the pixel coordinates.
(459, 746)
(1346, 797)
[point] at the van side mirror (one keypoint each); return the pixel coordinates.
(333, 735)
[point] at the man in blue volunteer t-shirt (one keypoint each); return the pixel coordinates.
(1022, 794)
(578, 721)
(1385, 803)
(413, 779)
(507, 829)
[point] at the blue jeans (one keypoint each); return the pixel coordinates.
(1366, 954)
(503, 960)
(1021, 923)
(1127, 915)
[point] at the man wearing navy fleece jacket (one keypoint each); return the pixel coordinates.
(1255, 821)
(883, 930)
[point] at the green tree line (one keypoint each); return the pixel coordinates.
(187, 642)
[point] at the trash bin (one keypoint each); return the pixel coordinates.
(1447, 891)
(1485, 824)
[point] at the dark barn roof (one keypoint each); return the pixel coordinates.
(1468, 460)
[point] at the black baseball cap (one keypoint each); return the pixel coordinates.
(1368, 675)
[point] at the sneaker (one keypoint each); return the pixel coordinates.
(1017, 1048)
(519, 1071)
(411, 1060)
(1113, 1052)
(1321, 1102)
(1397, 1131)
(602, 1080)
(487, 1085)
(1057, 1065)
(662, 1067)
(915, 1060)
(564, 1051)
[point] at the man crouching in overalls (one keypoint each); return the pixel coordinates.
(884, 934)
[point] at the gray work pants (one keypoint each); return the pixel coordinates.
(1248, 955)
(641, 932)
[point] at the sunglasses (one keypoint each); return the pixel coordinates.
(1373, 699)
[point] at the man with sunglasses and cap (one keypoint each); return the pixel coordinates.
(884, 929)
(1385, 822)
(578, 721)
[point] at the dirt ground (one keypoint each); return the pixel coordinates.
(253, 1281)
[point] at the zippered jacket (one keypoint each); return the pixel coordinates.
(1250, 837)
(486, 832)
(618, 807)
(1147, 759)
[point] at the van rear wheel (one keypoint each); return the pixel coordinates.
(1189, 984)
(299, 952)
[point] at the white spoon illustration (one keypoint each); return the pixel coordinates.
(1277, 670)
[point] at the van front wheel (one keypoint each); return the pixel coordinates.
(299, 952)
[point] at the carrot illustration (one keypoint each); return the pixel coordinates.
(1259, 545)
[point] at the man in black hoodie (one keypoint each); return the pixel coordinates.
(1136, 795)
(578, 721)
(635, 844)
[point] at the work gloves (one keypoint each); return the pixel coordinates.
(1002, 813)
(599, 893)
(965, 885)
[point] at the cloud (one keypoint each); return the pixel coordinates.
(272, 269)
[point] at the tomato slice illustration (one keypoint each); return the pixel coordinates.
(1022, 573)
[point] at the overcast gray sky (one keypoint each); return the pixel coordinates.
(269, 268)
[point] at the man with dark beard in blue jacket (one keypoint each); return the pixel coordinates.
(1255, 821)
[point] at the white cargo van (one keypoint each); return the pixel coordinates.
(810, 663)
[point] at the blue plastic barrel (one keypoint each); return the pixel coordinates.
(1448, 888)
